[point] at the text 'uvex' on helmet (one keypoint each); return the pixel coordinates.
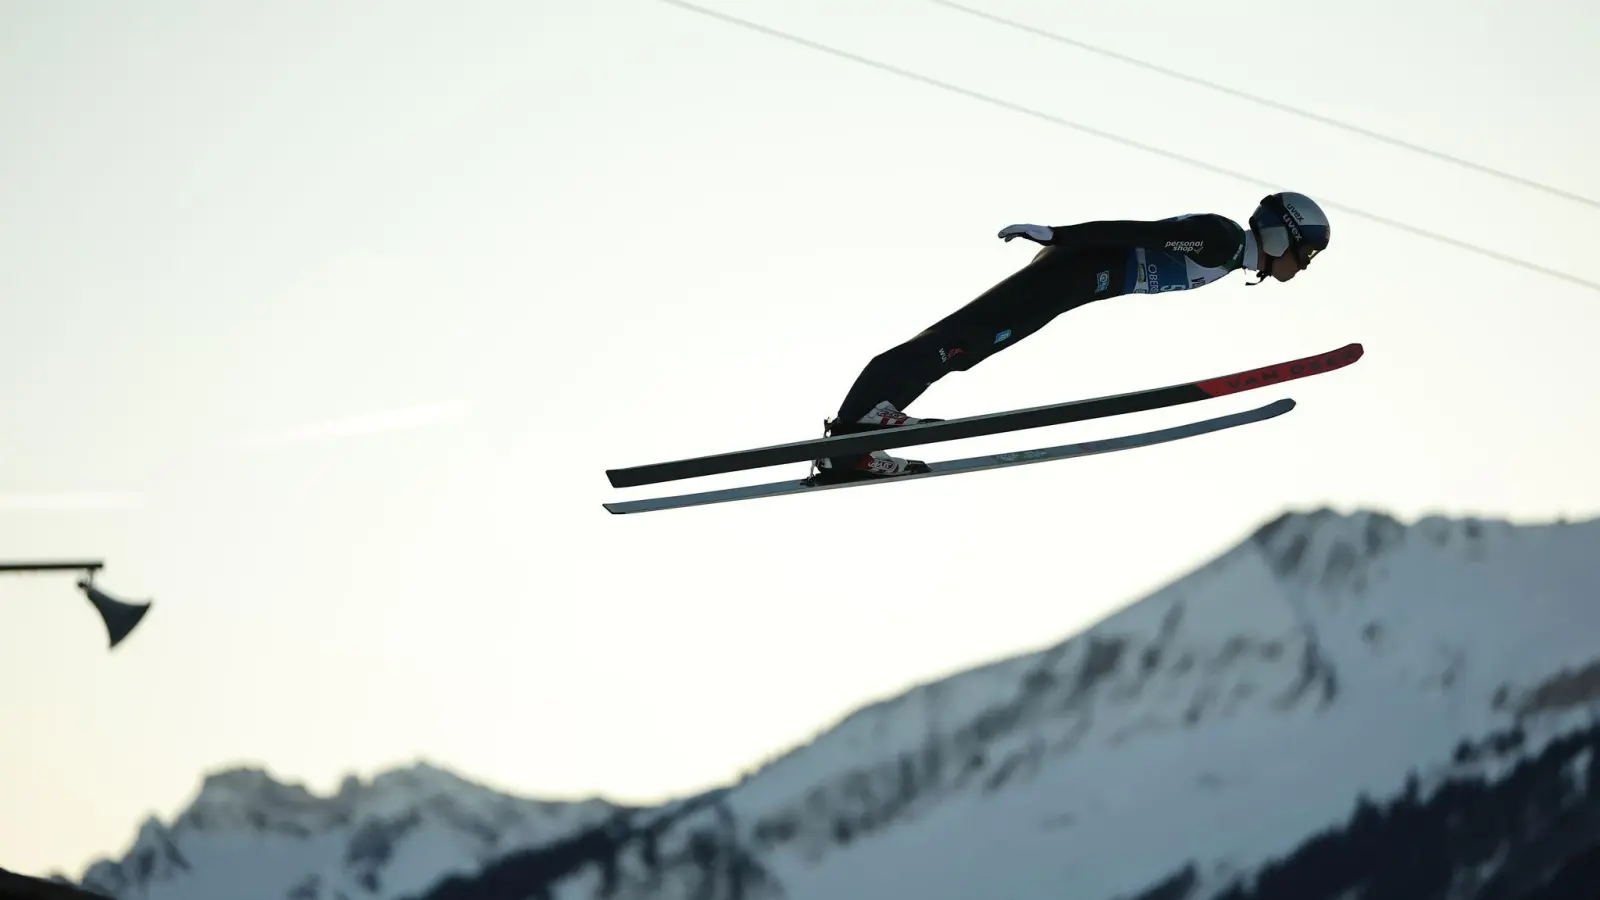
(1290, 224)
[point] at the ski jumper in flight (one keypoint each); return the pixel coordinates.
(1076, 265)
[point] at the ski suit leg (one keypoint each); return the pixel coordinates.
(1053, 282)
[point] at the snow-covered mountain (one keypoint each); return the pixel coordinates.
(249, 836)
(1427, 688)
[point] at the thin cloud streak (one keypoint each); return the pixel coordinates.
(403, 419)
(81, 501)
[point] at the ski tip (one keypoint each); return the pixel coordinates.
(1281, 372)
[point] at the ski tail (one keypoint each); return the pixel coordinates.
(991, 423)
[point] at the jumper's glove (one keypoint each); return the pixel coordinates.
(1038, 233)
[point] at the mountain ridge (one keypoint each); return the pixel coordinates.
(1310, 617)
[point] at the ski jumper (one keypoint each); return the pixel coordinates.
(1077, 265)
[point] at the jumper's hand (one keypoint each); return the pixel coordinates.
(1037, 233)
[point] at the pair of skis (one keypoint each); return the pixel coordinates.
(977, 426)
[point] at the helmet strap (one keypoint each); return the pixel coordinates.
(1261, 253)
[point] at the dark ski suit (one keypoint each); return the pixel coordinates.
(1078, 264)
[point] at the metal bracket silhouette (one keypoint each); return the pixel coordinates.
(120, 616)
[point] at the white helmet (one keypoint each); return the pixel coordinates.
(1290, 224)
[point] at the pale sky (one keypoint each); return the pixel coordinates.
(319, 323)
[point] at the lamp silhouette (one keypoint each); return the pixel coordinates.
(120, 616)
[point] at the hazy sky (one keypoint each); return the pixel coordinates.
(320, 323)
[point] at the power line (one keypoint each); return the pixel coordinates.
(1274, 104)
(1106, 135)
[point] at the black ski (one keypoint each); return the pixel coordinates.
(991, 423)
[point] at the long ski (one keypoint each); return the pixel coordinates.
(963, 466)
(991, 423)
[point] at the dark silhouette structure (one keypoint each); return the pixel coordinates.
(120, 616)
